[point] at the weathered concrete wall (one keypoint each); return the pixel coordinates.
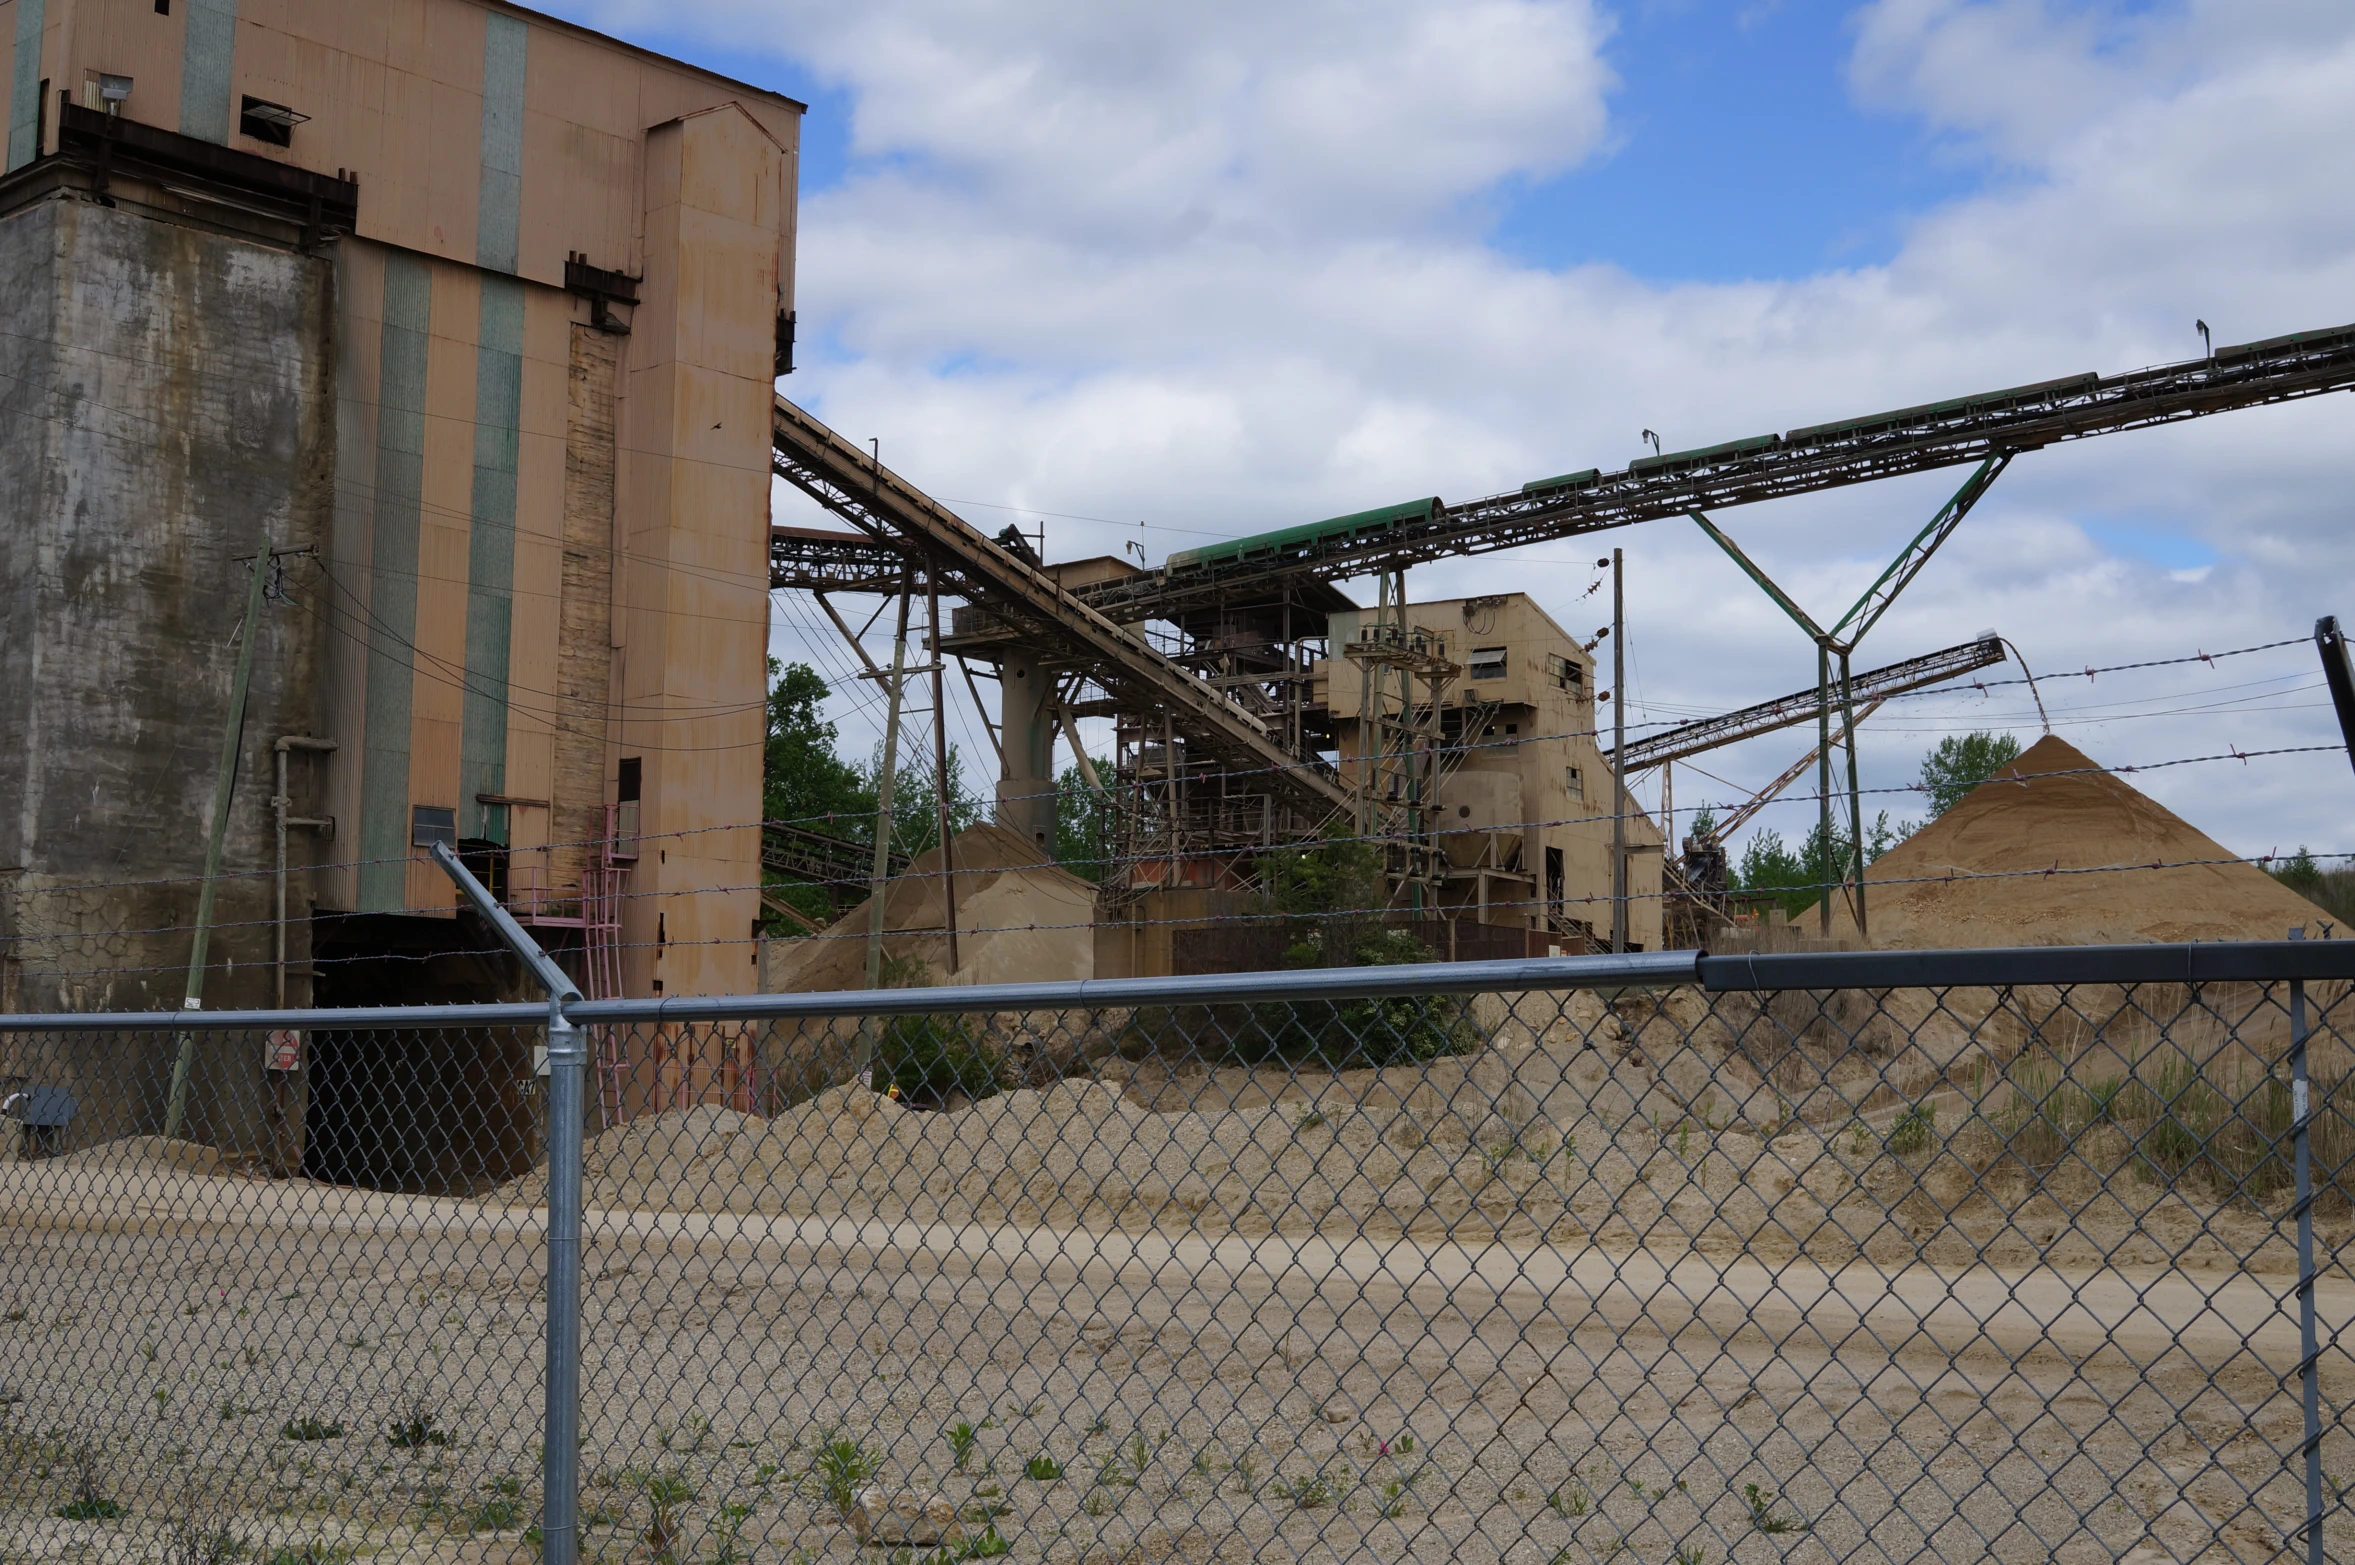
(173, 413)
(27, 317)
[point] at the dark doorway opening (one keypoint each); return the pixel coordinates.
(423, 1110)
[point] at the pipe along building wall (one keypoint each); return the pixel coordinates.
(474, 316)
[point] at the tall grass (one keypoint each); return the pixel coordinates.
(2178, 1127)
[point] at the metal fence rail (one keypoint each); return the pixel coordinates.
(2035, 1255)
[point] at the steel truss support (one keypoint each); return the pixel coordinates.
(1832, 650)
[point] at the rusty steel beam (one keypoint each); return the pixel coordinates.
(1058, 625)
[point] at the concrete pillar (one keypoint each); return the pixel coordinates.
(1026, 791)
(692, 495)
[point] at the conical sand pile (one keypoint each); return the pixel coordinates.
(1020, 918)
(2051, 811)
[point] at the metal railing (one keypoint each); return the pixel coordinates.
(2019, 1255)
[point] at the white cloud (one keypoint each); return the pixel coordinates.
(1219, 267)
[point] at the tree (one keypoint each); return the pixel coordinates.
(915, 810)
(1083, 826)
(1798, 875)
(1961, 762)
(805, 783)
(803, 780)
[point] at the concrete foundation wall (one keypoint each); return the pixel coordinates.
(173, 415)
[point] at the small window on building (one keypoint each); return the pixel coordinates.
(625, 795)
(1488, 662)
(1575, 783)
(1565, 674)
(267, 121)
(163, 7)
(433, 823)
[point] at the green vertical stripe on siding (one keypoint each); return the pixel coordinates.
(490, 555)
(499, 214)
(24, 91)
(392, 568)
(204, 69)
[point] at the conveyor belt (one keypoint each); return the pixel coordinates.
(1872, 686)
(1057, 625)
(1762, 467)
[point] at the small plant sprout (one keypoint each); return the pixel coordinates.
(194, 1543)
(1245, 1471)
(1692, 1554)
(731, 1549)
(666, 1495)
(1915, 1129)
(1393, 1499)
(89, 1503)
(1308, 1119)
(963, 1438)
(1569, 1500)
(1042, 1468)
(1762, 1517)
(842, 1464)
(415, 1432)
(311, 1429)
(1309, 1491)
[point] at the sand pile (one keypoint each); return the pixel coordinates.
(1020, 918)
(2054, 809)
(1649, 1121)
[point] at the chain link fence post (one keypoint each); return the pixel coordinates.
(2309, 1346)
(568, 1064)
(568, 1061)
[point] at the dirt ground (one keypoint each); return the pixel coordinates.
(1660, 1280)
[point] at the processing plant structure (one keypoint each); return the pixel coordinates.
(1254, 705)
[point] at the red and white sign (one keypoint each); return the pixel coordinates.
(283, 1051)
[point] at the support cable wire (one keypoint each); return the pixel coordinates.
(1596, 818)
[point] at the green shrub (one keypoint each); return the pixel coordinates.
(931, 1057)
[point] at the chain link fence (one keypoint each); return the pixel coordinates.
(2023, 1256)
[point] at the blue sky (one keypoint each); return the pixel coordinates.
(1739, 152)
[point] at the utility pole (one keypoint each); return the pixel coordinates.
(880, 881)
(1618, 751)
(224, 788)
(940, 762)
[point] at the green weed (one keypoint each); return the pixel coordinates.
(667, 1495)
(1042, 1468)
(415, 1432)
(1309, 1492)
(1762, 1517)
(311, 1429)
(1915, 1129)
(963, 1437)
(313, 1554)
(841, 1465)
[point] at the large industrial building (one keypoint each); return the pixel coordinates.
(473, 318)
